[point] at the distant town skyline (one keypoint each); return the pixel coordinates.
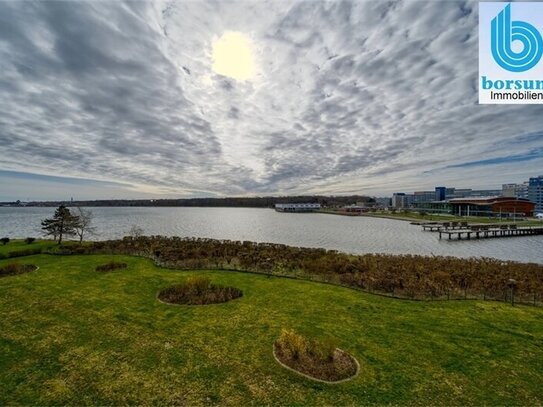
(115, 100)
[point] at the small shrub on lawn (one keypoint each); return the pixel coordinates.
(12, 269)
(296, 346)
(30, 240)
(111, 266)
(4, 240)
(292, 344)
(197, 284)
(325, 348)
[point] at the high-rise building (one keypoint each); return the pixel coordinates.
(398, 200)
(509, 190)
(515, 190)
(423, 196)
(453, 193)
(383, 202)
(535, 192)
(483, 193)
(440, 193)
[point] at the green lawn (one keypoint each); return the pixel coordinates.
(71, 335)
(16, 245)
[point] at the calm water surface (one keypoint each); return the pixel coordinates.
(348, 234)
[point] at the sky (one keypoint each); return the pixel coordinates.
(103, 100)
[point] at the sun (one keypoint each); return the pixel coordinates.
(233, 56)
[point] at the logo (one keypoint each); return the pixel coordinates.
(505, 32)
(510, 53)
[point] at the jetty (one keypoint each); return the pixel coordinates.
(489, 231)
(436, 226)
(465, 231)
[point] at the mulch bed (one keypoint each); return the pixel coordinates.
(342, 367)
(214, 294)
(14, 269)
(111, 267)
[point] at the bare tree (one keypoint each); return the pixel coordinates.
(84, 223)
(135, 231)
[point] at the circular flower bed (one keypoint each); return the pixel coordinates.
(13, 269)
(198, 291)
(111, 266)
(317, 360)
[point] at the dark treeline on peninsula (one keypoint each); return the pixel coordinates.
(244, 202)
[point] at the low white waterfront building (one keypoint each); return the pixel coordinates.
(297, 207)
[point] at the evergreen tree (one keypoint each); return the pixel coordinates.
(63, 223)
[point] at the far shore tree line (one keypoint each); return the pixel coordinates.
(240, 202)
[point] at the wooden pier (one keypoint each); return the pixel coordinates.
(490, 231)
(437, 226)
(465, 231)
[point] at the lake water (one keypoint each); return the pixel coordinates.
(348, 234)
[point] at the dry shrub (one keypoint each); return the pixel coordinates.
(292, 344)
(198, 285)
(325, 348)
(296, 346)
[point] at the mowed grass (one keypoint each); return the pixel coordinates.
(17, 245)
(71, 335)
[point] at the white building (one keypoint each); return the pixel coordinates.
(297, 207)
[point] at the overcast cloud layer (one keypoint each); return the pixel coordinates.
(363, 97)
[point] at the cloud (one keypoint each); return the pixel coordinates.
(348, 96)
(531, 155)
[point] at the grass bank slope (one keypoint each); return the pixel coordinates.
(71, 335)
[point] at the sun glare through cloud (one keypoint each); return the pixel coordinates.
(254, 98)
(233, 56)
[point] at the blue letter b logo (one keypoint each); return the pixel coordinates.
(504, 32)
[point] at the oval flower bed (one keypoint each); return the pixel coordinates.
(317, 360)
(111, 266)
(198, 291)
(13, 269)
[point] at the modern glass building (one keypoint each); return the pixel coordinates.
(441, 193)
(492, 207)
(441, 207)
(535, 192)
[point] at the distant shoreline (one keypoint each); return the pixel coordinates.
(368, 215)
(226, 202)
